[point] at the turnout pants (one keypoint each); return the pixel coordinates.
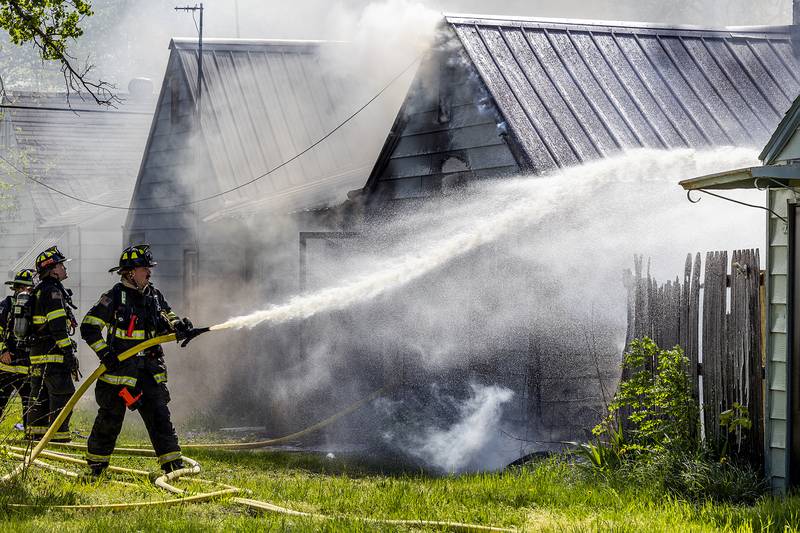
(51, 389)
(153, 410)
(10, 382)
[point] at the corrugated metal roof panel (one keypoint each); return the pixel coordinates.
(87, 154)
(576, 90)
(263, 103)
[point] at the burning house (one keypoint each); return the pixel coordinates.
(501, 96)
(494, 97)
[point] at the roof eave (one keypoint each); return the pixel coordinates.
(746, 178)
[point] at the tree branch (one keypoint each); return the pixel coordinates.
(50, 49)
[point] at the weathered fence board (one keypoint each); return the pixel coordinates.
(722, 339)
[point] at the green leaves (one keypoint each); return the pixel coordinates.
(51, 26)
(654, 403)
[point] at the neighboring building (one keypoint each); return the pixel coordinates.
(780, 176)
(501, 96)
(263, 103)
(82, 150)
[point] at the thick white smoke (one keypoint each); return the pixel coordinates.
(469, 443)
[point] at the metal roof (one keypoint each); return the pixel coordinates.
(89, 153)
(572, 91)
(264, 102)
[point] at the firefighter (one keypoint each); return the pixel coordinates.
(54, 366)
(132, 311)
(14, 362)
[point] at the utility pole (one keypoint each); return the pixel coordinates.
(236, 14)
(199, 53)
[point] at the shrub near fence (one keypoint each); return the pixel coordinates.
(725, 354)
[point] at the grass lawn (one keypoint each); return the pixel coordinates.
(551, 496)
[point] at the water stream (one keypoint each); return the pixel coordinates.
(490, 211)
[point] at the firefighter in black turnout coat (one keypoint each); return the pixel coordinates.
(131, 312)
(14, 361)
(52, 355)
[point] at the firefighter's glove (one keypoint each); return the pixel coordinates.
(109, 360)
(187, 336)
(184, 325)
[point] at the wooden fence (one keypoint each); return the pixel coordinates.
(717, 320)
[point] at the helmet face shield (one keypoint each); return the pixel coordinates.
(138, 255)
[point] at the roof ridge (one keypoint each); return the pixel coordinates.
(191, 42)
(453, 18)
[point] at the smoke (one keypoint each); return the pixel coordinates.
(471, 442)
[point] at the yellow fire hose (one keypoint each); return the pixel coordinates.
(194, 467)
(251, 445)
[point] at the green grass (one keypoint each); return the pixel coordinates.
(550, 496)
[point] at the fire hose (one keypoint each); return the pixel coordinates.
(164, 480)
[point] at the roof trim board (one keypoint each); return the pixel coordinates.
(587, 24)
(747, 178)
(782, 134)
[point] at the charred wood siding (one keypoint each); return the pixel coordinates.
(571, 92)
(729, 355)
(446, 134)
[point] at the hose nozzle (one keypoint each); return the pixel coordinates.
(188, 335)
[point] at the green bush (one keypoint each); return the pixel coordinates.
(654, 404)
(650, 437)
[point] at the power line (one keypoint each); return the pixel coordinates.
(75, 111)
(232, 189)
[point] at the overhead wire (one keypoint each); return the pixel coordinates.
(232, 189)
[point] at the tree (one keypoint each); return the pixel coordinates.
(50, 26)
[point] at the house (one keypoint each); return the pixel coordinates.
(495, 96)
(780, 178)
(77, 152)
(213, 185)
(504, 95)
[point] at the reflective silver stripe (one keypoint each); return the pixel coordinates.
(97, 458)
(94, 321)
(63, 343)
(167, 457)
(118, 380)
(62, 435)
(58, 313)
(37, 430)
(160, 377)
(16, 369)
(137, 334)
(39, 319)
(47, 358)
(99, 345)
